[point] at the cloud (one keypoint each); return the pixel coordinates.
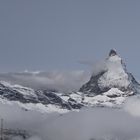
(99, 67)
(63, 81)
(133, 106)
(87, 124)
(97, 123)
(96, 67)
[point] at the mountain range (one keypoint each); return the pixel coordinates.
(110, 86)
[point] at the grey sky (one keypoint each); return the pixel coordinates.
(55, 34)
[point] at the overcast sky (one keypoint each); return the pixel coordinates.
(56, 34)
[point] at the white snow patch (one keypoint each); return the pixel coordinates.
(113, 91)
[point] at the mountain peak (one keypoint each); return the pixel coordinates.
(112, 52)
(115, 75)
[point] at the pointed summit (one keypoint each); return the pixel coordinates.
(112, 52)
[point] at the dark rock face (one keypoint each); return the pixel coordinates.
(14, 95)
(112, 52)
(55, 99)
(74, 104)
(92, 87)
(134, 85)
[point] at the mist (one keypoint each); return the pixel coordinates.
(59, 80)
(86, 124)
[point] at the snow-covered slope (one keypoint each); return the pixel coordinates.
(29, 98)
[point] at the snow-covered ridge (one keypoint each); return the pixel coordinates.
(19, 88)
(55, 101)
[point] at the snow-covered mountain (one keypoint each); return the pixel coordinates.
(108, 87)
(113, 75)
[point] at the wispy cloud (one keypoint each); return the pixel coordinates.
(87, 124)
(60, 80)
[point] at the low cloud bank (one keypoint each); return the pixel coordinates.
(96, 123)
(87, 124)
(133, 106)
(59, 80)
